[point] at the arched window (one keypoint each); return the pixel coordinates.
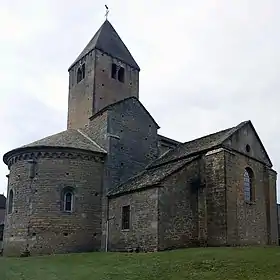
(248, 184)
(11, 202)
(68, 201)
(121, 75)
(81, 73)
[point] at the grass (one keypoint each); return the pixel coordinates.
(200, 264)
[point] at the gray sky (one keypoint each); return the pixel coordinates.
(205, 65)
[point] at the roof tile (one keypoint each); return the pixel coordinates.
(196, 146)
(107, 40)
(173, 160)
(70, 138)
(149, 177)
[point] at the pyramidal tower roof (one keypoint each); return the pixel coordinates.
(107, 40)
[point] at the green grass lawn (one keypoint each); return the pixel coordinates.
(199, 263)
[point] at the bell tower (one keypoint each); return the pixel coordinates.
(104, 73)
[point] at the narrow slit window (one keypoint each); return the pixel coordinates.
(83, 71)
(114, 71)
(11, 202)
(126, 217)
(248, 185)
(1, 232)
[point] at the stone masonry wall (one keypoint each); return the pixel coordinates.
(98, 89)
(108, 90)
(51, 229)
(271, 205)
(143, 219)
(247, 221)
(81, 95)
(179, 209)
(216, 198)
(129, 135)
(97, 130)
(133, 141)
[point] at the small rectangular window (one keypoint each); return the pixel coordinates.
(126, 217)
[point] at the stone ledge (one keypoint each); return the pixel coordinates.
(53, 155)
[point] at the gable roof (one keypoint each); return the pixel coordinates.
(195, 146)
(254, 130)
(131, 98)
(202, 144)
(176, 158)
(107, 40)
(70, 138)
(150, 177)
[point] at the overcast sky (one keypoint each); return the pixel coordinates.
(205, 65)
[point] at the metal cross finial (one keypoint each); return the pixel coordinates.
(107, 11)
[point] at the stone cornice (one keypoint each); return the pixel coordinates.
(53, 154)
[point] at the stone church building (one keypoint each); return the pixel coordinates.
(111, 182)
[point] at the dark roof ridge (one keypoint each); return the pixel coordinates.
(209, 135)
(193, 140)
(91, 140)
(110, 106)
(196, 154)
(118, 102)
(220, 131)
(128, 180)
(235, 128)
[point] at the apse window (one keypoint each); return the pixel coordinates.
(126, 217)
(11, 202)
(248, 148)
(248, 185)
(68, 201)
